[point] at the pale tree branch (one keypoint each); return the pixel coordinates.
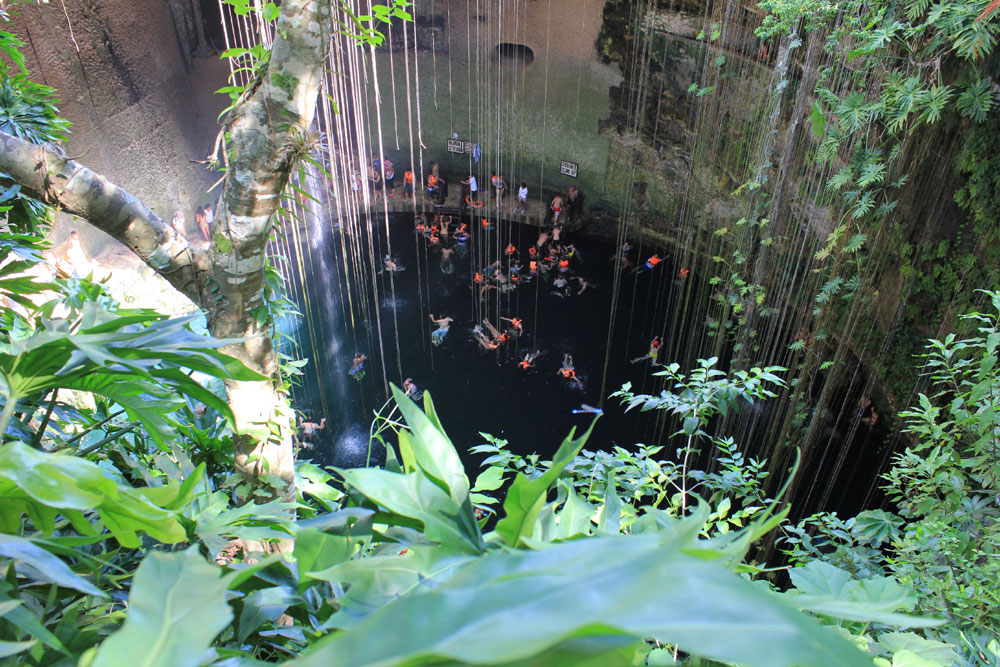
(47, 175)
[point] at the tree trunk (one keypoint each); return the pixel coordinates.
(267, 131)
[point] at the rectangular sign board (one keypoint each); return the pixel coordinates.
(568, 168)
(456, 146)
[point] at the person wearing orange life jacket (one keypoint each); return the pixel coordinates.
(478, 278)
(563, 265)
(515, 322)
(497, 336)
(683, 273)
(485, 343)
(408, 184)
(433, 186)
(528, 361)
(567, 371)
(650, 263)
(533, 266)
(532, 252)
(510, 249)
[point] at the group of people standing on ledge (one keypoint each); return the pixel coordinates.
(565, 208)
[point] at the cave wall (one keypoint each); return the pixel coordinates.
(526, 116)
(138, 92)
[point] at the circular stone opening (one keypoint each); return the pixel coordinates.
(514, 55)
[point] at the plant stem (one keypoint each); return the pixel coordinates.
(8, 412)
(91, 428)
(120, 432)
(37, 440)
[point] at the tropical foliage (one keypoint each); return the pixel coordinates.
(125, 536)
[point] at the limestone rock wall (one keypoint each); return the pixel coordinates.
(138, 94)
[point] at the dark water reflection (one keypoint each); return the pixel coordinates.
(473, 391)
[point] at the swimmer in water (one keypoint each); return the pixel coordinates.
(528, 361)
(391, 265)
(308, 429)
(650, 263)
(485, 344)
(516, 323)
(411, 388)
(446, 264)
(568, 372)
(498, 336)
(357, 367)
(583, 284)
(653, 354)
(438, 335)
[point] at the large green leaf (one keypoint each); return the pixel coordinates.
(329, 540)
(416, 496)
(8, 649)
(43, 485)
(134, 359)
(376, 581)
(264, 606)
(574, 519)
(433, 451)
(935, 653)
(526, 497)
(176, 608)
(512, 605)
(44, 566)
(824, 589)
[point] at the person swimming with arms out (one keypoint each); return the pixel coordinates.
(392, 265)
(653, 354)
(516, 324)
(438, 335)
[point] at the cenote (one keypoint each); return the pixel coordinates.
(229, 228)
